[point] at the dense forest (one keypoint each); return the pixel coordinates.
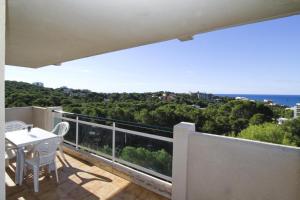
(211, 114)
(217, 115)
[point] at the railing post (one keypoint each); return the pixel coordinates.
(180, 159)
(114, 142)
(77, 132)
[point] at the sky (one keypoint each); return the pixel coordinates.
(260, 58)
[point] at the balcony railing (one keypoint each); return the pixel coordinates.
(144, 148)
(203, 164)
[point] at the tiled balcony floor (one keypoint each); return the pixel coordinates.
(78, 180)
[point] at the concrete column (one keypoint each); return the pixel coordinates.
(2, 96)
(180, 159)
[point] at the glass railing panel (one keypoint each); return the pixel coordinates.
(152, 154)
(71, 135)
(95, 139)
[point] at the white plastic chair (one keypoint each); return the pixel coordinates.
(61, 129)
(10, 150)
(14, 126)
(44, 154)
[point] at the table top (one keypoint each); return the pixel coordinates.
(22, 138)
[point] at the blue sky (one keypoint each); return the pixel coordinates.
(261, 58)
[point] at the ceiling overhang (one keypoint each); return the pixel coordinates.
(40, 33)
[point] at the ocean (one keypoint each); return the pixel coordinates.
(287, 100)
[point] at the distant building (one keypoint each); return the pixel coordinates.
(204, 96)
(297, 110)
(66, 90)
(40, 84)
(268, 101)
(242, 98)
(201, 95)
(281, 120)
(167, 97)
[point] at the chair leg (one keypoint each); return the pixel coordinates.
(50, 168)
(36, 178)
(61, 152)
(57, 180)
(25, 170)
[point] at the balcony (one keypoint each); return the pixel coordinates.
(78, 180)
(94, 166)
(195, 165)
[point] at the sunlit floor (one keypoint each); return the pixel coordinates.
(78, 180)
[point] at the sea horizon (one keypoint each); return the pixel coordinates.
(281, 99)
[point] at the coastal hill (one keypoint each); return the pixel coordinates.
(210, 113)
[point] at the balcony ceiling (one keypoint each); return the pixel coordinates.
(41, 33)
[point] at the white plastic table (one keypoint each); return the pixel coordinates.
(23, 138)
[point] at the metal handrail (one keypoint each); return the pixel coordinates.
(138, 125)
(114, 130)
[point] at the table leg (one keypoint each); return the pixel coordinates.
(19, 166)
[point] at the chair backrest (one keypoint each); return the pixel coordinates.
(61, 129)
(45, 151)
(14, 126)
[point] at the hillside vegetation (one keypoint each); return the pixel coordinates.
(211, 114)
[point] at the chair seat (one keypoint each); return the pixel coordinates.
(10, 150)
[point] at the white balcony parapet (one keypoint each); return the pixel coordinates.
(217, 167)
(180, 159)
(38, 116)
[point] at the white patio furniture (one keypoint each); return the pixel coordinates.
(15, 125)
(22, 138)
(10, 149)
(61, 129)
(44, 155)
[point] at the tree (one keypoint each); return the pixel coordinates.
(257, 119)
(267, 132)
(159, 161)
(292, 129)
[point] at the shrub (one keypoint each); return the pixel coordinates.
(267, 132)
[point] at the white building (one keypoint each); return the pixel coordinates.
(242, 98)
(296, 110)
(66, 90)
(281, 120)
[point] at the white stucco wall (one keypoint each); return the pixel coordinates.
(233, 169)
(2, 61)
(226, 168)
(23, 114)
(41, 117)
